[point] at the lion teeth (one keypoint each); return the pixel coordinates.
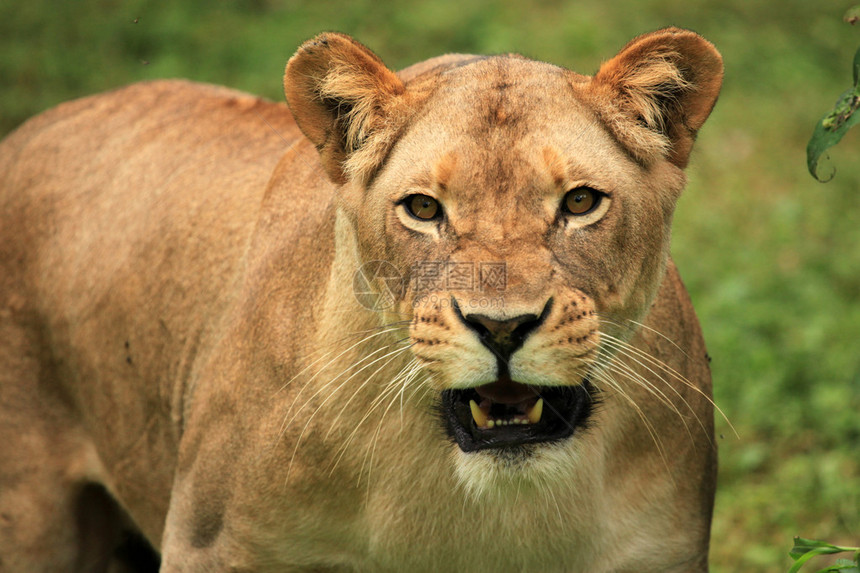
(535, 412)
(484, 422)
(481, 419)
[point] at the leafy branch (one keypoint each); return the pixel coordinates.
(836, 123)
(806, 549)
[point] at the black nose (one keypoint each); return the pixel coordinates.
(504, 337)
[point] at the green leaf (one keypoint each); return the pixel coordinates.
(799, 561)
(806, 549)
(803, 546)
(835, 124)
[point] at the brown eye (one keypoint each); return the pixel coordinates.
(423, 207)
(581, 200)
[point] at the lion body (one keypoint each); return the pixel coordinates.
(182, 354)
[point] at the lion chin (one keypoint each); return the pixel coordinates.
(503, 473)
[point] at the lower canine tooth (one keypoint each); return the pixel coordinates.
(478, 415)
(535, 412)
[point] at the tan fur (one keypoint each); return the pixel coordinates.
(182, 352)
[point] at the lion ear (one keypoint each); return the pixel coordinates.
(345, 101)
(658, 91)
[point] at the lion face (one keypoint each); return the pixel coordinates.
(525, 233)
(527, 207)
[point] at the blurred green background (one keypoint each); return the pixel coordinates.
(771, 257)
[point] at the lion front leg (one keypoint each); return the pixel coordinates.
(55, 515)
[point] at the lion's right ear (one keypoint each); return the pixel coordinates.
(346, 102)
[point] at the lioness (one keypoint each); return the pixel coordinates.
(450, 340)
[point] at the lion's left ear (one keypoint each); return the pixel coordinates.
(345, 101)
(657, 92)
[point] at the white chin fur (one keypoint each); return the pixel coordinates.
(509, 473)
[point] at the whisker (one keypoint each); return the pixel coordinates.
(331, 395)
(375, 404)
(373, 448)
(604, 376)
(311, 365)
(391, 386)
(659, 363)
(415, 370)
(660, 334)
(334, 379)
(311, 379)
(624, 350)
(362, 386)
(325, 386)
(641, 381)
(627, 351)
(381, 326)
(672, 372)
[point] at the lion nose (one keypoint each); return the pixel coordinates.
(504, 337)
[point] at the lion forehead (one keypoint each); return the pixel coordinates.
(498, 92)
(504, 116)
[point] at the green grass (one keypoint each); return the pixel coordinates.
(771, 257)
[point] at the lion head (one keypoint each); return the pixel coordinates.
(528, 209)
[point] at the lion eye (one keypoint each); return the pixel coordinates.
(423, 207)
(581, 200)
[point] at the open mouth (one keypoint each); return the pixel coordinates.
(505, 413)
